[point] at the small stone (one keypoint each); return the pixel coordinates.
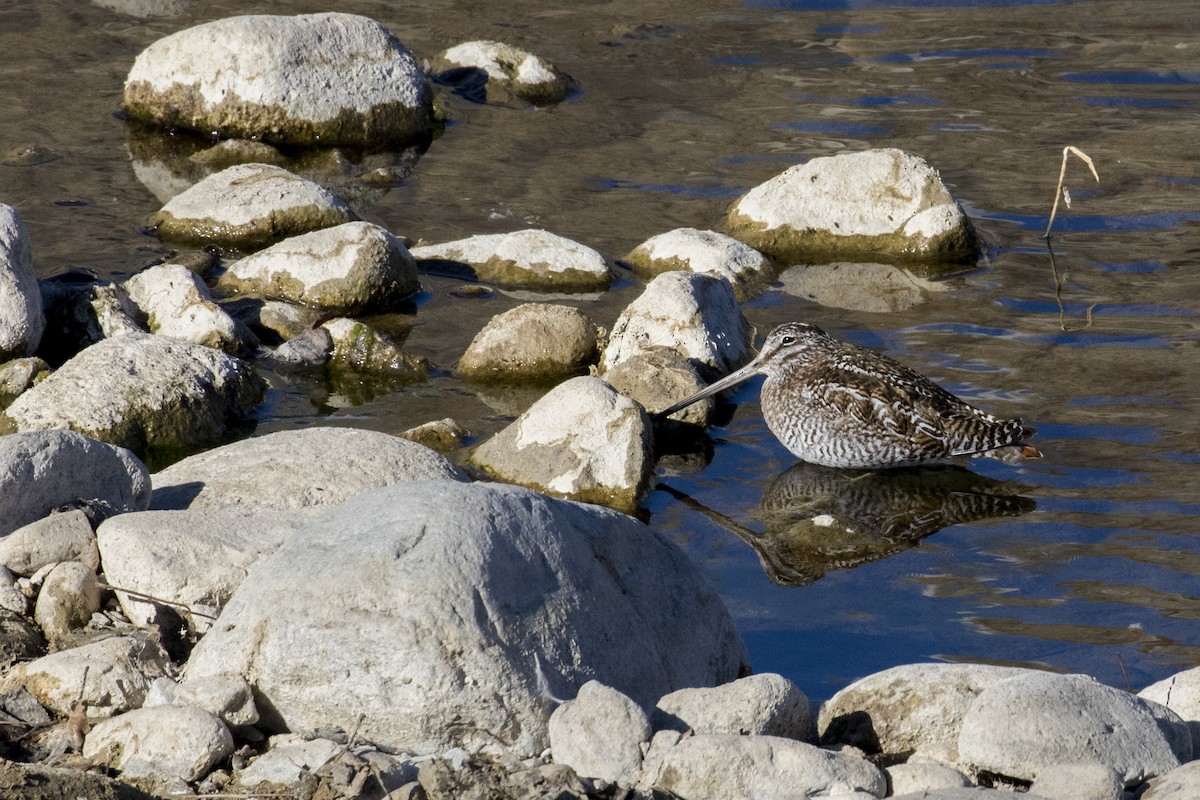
(532, 259)
(357, 347)
(67, 600)
(507, 68)
(532, 342)
(600, 734)
(658, 377)
(161, 742)
(767, 704)
(707, 252)
(286, 763)
(19, 374)
(919, 775)
(309, 349)
(1083, 781)
(229, 697)
(65, 536)
(442, 436)
(177, 303)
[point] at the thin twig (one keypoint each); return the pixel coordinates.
(152, 599)
(1062, 173)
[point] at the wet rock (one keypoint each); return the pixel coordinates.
(288, 760)
(231, 152)
(657, 378)
(727, 765)
(534, 341)
(42, 471)
(228, 697)
(508, 69)
(874, 205)
(248, 206)
(21, 318)
(78, 315)
(109, 676)
(147, 393)
(357, 347)
(923, 776)
(461, 595)
(1181, 694)
(194, 558)
(877, 288)
(347, 269)
(1178, 784)
(309, 467)
(765, 704)
(706, 252)
(532, 259)
(600, 734)
(58, 537)
(1085, 781)
(913, 708)
(69, 597)
(1019, 726)
(583, 441)
(311, 349)
(176, 303)
(19, 374)
(313, 79)
(443, 435)
(160, 742)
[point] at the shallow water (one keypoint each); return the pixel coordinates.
(684, 106)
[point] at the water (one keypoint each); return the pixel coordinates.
(686, 105)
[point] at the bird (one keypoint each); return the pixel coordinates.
(840, 405)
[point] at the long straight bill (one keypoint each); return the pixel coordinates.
(732, 379)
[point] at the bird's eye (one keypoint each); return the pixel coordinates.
(788, 340)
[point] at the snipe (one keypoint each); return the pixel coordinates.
(841, 405)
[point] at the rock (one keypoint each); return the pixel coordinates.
(109, 676)
(972, 793)
(432, 608)
(78, 315)
(194, 558)
(657, 378)
(272, 320)
(21, 319)
(230, 152)
(694, 314)
(706, 252)
(228, 697)
(308, 467)
(326, 80)
(874, 205)
(1018, 726)
(467, 777)
(286, 763)
(600, 734)
(767, 705)
(913, 708)
(1181, 694)
(58, 537)
(69, 597)
(347, 269)
(12, 599)
(1178, 784)
(20, 640)
(532, 342)
(311, 349)
(161, 742)
(443, 435)
(508, 69)
(532, 259)
(877, 288)
(178, 304)
(728, 765)
(147, 393)
(924, 776)
(583, 441)
(41, 471)
(18, 375)
(247, 207)
(38, 782)
(359, 348)
(1083, 781)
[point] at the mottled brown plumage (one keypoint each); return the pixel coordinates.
(840, 405)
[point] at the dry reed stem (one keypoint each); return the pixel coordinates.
(1062, 173)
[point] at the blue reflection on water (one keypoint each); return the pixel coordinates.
(1108, 309)
(1158, 221)
(860, 5)
(1133, 77)
(1131, 267)
(838, 128)
(1133, 102)
(983, 52)
(873, 100)
(1125, 434)
(612, 184)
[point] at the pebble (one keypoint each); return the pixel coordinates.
(600, 734)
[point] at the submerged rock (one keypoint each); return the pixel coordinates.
(507, 68)
(532, 342)
(878, 204)
(324, 80)
(877, 288)
(706, 252)
(532, 259)
(21, 318)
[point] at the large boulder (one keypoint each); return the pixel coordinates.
(875, 205)
(315, 79)
(21, 319)
(437, 614)
(147, 393)
(533, 259)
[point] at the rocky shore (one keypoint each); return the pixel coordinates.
(339, 613)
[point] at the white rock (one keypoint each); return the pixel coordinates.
(109, 676)
(69, 597)
(347, 269)
(971, 793)
(229, 697)
(913, 708)
(160, 742)
(519, 71)
(531, 258)
(58, 537)
(41, 471)
(877, 288)
(695, 314)
(707, 252)
(143, 392)
(600, 734)
(248, 206)
(766, 704)
(11, 597)
(531, 342)
(314, 79)
(922, 776)
(1085, 781)
(428, 607)
(309, 467)
(855, 207)
(1018, 726)
(177, 303)
(1182, 783)
(1181, 694)
(287, 763)
(21, 319)
(583, 441)
(728, 765)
